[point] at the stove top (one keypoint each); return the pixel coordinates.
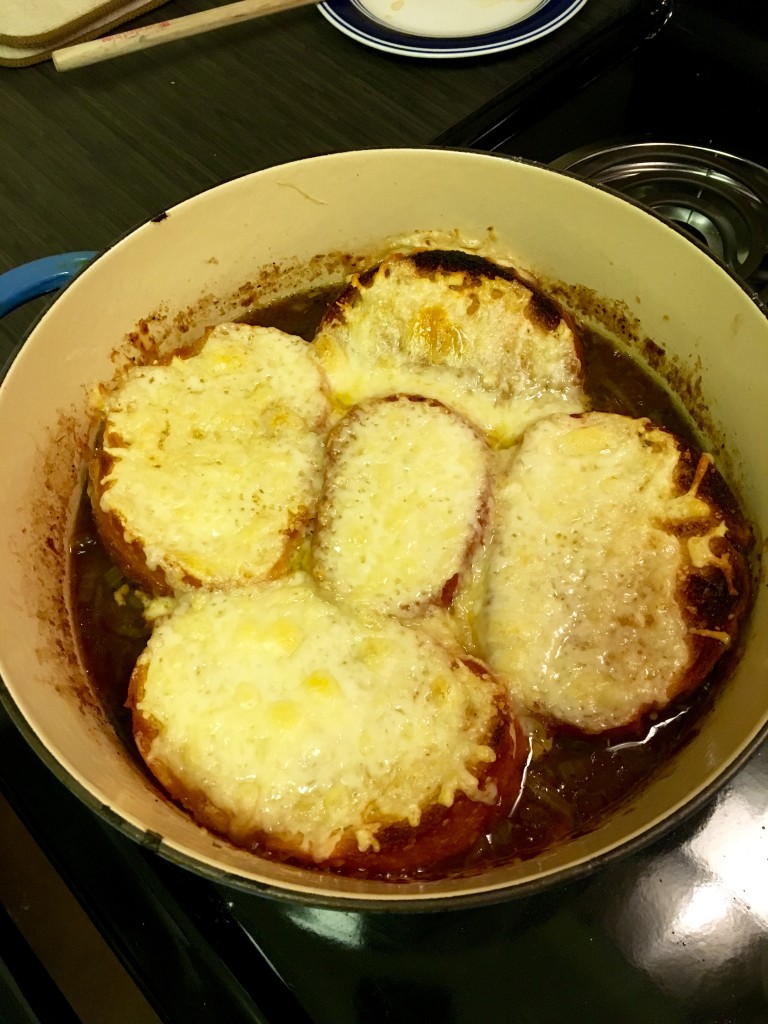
(673, 127)
(674, 116)
(719, 199)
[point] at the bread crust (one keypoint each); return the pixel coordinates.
(451, 325)
(257, 398)
(401, 849)
(130, 555)
(715, 598)
(325, 541)
(618, 631)
(464, 273)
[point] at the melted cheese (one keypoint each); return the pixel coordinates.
(218, 457)
(401, 506)
(470, 342)
(305, 721)
(581, 613)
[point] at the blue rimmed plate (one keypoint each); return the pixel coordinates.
(463, 28)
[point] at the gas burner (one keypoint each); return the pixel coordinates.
(718, 199)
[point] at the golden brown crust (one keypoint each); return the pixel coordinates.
(402, 849)
(446, 832)
(127, 555)
(636, 631)
(714, 598)
(145, 732)
(130, 555)
(541, 311)
(444, 590)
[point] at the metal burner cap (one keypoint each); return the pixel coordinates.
(718, 199)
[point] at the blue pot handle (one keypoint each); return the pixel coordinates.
(39, 277)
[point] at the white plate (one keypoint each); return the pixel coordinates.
(447, 28)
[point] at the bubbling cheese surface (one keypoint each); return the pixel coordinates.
(581, 614)
(403, 505)
(306, 722)
(455, 327)
(218, 457)
(453, 518)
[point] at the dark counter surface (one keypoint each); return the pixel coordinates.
(88, 154)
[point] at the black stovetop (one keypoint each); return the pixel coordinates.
(701, 79)
(675, 934)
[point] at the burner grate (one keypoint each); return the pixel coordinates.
(718, 199)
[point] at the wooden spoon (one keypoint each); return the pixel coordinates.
(166, 31)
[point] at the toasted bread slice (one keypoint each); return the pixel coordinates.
(617, 575)
(210, 465)
(293, 726)
(404, 505)
(456, 327)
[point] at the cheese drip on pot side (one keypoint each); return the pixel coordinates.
(304, 721)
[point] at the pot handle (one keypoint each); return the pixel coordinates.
(39, 277)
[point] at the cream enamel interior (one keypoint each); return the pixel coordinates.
(551, 224)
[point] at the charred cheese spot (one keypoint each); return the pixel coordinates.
(584, 602)
(403, 507)
(458, 328)
(211, 464)
(302, 745)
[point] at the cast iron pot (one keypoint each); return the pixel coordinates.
(265, 235)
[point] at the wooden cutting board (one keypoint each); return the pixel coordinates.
(30, 30)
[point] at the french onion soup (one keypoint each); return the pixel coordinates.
(430, 594)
